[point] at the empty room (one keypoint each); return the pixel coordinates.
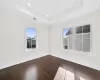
(49, 40)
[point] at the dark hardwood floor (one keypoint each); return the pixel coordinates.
(45, 68)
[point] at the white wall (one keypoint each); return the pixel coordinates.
(13, 24)
(12, 35)
(91, 59)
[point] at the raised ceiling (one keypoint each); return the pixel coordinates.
(53, 10)
(48, 9)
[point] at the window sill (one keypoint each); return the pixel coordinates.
(30, 50)
(79, 52)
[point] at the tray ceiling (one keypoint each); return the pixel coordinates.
(52, 10)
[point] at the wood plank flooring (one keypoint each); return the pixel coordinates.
(45, 68)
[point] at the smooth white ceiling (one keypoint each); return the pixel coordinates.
(44, 7)
(52, 10)
(47, 9)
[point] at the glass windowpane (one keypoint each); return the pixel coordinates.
(78, 30)
(86, 29)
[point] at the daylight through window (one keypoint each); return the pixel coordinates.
(67, 38)
(77, 38)
(31, 38)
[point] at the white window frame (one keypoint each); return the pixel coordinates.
(91, 39)
(82, 38)
(25, 37)
(68, 41)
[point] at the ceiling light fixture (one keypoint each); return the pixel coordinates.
(47, 15)
(29, 4)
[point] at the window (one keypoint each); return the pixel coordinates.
(77, 38)
(31, 38)
(82, 38)
(67, 38)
